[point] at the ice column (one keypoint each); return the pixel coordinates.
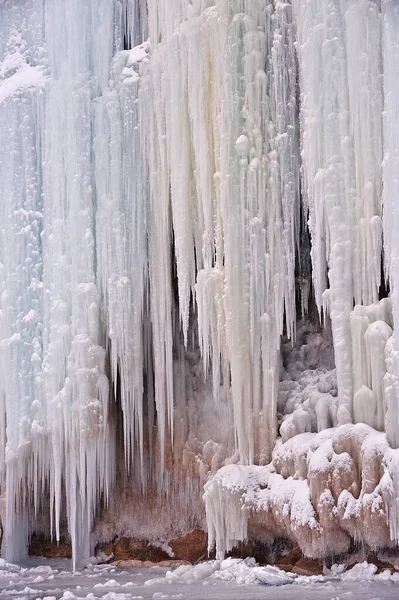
(339, 52)
(53, 386)
(221, 137)
(22, 79)
(80, 46)
(391, 214)
(121, 237)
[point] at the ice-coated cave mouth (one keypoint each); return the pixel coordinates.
(198, 279)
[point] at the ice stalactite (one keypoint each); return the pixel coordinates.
(371, 328)
(21, 315)
(229, 152)
(390, 171)
(58, 438)
(121, 234)
(342, 103)
(341, 91)
(390, 14)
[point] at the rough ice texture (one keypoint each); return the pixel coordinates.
(321, 490)
(155, 203)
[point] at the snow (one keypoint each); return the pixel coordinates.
(321, 490)
(16, 76)
(232, 578)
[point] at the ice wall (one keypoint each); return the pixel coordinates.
(341, 112)
(226, 175)
(157, 200)
(55, 392)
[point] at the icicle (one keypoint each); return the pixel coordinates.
(235, 209)
(341, 117)
(21, 311)
(390, 12)
(121, 235)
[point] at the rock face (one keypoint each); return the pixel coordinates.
(287, 561)
(191, 547)
(40, 546)
(147, 564)
(128, 548)
(308, 566)
(382, 565)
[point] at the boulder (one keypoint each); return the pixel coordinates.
(191, 547)
(308, 566)
(287, 560)
(127, 548)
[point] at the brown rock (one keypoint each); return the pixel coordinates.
(131, 563)
(107, 549)
(381, 565)
(285, 567)
(132, 549)
(39, 546)
(191, 547)
(308, 566)
(172, 564)
(145, 564)
(289, 558)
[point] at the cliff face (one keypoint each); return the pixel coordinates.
(198, 243)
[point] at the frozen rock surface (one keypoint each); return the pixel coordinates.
(321, 490)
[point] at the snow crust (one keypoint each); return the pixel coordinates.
(231, 578)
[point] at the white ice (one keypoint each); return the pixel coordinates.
(160, 162)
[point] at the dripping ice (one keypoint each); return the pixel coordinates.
(196, 201)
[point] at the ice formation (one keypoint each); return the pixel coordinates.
(198, 268)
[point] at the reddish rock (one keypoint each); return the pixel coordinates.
(288, 560)
(191, 547)
(130, 548)
(146, 564)
(308, 566)
(285, 567)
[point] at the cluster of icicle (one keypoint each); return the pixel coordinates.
(151, 200)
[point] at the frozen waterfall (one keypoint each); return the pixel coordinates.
(199, 271)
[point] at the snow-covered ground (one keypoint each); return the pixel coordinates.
(232, 579)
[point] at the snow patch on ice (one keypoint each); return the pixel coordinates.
(17, 75)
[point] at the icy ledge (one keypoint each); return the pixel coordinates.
(321, 490)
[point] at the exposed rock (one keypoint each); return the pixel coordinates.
(308, 566)
(39, 546)
(288, 567)
(287, 560)
(130, 548)
(139, 564)
(191, 547)
(105, 552)
(380, 564)
(107, 548)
